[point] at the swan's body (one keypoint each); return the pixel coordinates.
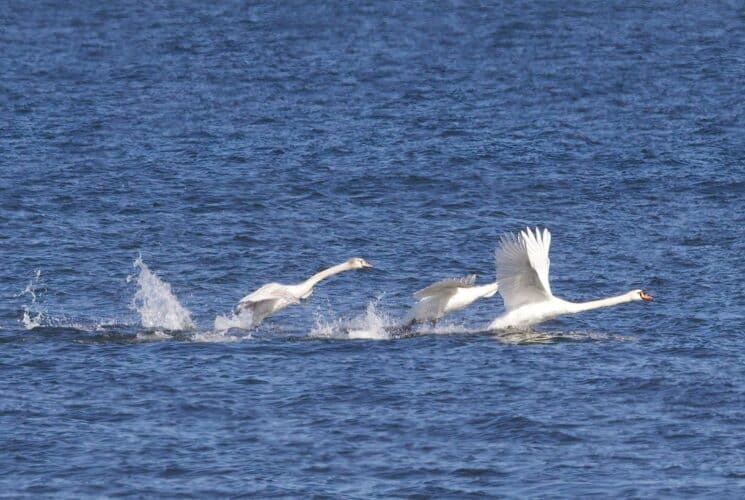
(274, 297)
(447, 296)
(522, 272)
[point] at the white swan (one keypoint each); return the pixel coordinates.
(522, 272)
(274, 297)
(447, 296)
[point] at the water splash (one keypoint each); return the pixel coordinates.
(156, 303)
(31, 321)
(33, 314)
(373, 325)
(36, 315)
(242, 320)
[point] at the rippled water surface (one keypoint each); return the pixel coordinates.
(159, 162)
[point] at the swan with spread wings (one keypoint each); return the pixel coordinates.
(447, 296)
(522, 272)
(274, 297)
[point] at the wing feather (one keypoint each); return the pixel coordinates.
(522, 267)
(270, 291)
(446, 286)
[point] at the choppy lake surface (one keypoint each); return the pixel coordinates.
(158, 163)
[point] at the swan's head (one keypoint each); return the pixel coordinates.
(640, 295)
(358, 263)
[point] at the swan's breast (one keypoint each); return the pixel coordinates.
(525, 316)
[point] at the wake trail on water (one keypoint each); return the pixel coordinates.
(375, 324)
(163, 317)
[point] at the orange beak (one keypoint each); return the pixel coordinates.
(645, 297)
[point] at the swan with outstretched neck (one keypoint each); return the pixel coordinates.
(522, 273)
(447, 296)
(274, 297)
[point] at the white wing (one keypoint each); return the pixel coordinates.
(522, 267)
(448, 286)
(270, 291)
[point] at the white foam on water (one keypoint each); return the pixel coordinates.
(30, 322)
(156, 303)
(323, 328)
(371, 325)
(242, 320)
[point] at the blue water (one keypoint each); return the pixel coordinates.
(231, 144)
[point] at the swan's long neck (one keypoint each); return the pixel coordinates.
(575, 307)
(311, 282)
